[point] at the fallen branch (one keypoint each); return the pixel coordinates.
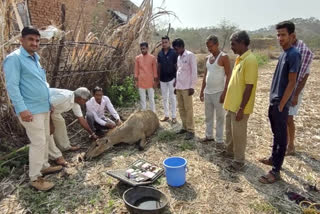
(13, 153)
(8, 161)
(78, 132)
(73, 122)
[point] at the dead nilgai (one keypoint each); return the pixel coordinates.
(138, 126)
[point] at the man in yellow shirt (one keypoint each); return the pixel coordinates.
(240, 99)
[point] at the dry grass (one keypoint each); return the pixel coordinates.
(84, 187)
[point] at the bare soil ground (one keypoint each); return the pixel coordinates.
(85, 187)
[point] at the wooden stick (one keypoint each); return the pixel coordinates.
(78, 132)
(73, 122)
(20, 24)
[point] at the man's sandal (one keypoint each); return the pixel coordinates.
(269, 178)
(266, 161)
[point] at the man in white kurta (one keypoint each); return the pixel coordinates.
(62, 101)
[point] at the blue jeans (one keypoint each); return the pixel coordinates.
(278, 121)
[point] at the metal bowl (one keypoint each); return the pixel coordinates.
(144, 200)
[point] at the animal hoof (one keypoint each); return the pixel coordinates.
(140, 148)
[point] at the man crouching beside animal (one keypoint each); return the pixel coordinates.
(64, 100)
(95, 115)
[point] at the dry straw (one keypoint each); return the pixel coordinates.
(101, 59)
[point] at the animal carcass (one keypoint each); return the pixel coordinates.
(138, 126)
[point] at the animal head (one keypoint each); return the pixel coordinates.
(98, 147)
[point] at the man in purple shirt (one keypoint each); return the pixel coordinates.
(306, 59)
(184, 86)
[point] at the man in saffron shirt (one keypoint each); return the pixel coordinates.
(146, 76)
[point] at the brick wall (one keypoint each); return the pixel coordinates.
(44, 12)
(47, 12)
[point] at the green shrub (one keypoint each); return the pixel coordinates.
(124, 94)
(261, 58)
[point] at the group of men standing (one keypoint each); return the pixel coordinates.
(177, 69)
(230, 95)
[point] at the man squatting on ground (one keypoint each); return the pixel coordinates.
(95, 115)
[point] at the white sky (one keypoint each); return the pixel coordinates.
(247, 14)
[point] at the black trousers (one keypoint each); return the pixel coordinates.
(278, 121)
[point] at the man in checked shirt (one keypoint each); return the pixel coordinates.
(306, 59)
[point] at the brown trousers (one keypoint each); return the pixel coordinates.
(236, 136)
(185, 106)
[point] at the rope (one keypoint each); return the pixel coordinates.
(312, 208)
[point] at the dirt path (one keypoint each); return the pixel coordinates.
(86, 188)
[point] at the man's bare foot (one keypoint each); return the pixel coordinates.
(165, 119)
(290, 152)
(74, 148)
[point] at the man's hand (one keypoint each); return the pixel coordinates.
(201, 96)
(118, 122)
(239, 115)
(191, 91)
(280, 107)
(156, 83)
(51, 108)
(26, 116)
(93, 136)
(294, 101)
(223, 95)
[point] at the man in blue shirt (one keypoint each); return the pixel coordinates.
(167, 70)
(282, 88)
(28, 90)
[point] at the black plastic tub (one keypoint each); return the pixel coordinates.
(144, 200)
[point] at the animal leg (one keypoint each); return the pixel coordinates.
(143, 142)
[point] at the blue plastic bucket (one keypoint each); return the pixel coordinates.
(176, 168)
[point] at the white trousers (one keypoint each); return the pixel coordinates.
(213, 105)
(142, 93)
(38, 132)
(167, 91)
(60, 134)
(54, 152)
